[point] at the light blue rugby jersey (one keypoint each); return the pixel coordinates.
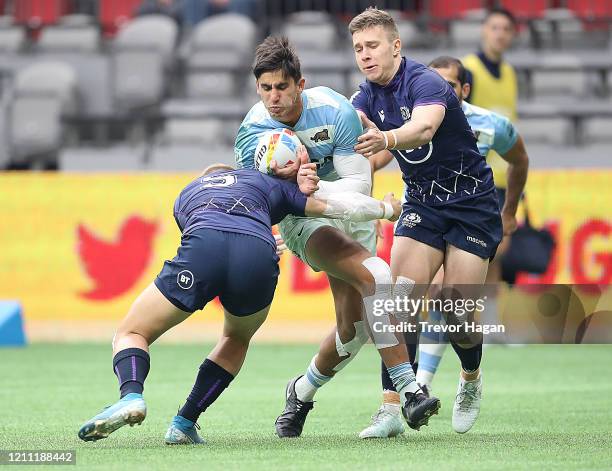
(329, 126)
(492, 130)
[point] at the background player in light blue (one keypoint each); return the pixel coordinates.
(328, 126)
(227, 250)
(492, 131)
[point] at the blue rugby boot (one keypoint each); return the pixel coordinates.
(182, 431)
(130, 409)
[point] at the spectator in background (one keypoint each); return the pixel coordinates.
(494, 87)
(195, 11)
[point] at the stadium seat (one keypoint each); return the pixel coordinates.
(227, 31)
(36, 14)
(554, 131)
(591, 8)
(194, 131)
(188, 158)
(526, 8)
(334, 80)
(63, 38)
(150, 32)
(443, 9)
(465, 32)
(113, 14)
(12, 39)
(308, 30)
(211, 84)
(142, 54)
(117, 158)
(598, 130)
(556, 83)
(43, 92)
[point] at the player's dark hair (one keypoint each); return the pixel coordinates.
(501, 11)
(275, 53)
(372, 17)
(445, 62)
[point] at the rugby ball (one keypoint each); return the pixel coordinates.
(280, 145)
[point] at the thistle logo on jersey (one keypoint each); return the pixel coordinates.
(411, 220)
(405, 113)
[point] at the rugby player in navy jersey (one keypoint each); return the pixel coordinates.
(451, 217)
(493, 132)
(227, 250)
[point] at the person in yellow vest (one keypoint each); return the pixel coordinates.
(494, 87)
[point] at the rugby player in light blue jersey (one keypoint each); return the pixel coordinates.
(328, 126)
(492, 131)
(227, 250)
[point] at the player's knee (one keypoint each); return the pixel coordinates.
(379, 270)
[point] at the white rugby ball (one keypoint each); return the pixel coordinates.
(280, 145)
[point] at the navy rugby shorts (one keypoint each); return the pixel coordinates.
(241, 269)
(473, 225)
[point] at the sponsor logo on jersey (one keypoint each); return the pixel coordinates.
(411, 220)
(381, 113)
(184, 279)
(405, 113)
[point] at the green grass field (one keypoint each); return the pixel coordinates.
(544, 407)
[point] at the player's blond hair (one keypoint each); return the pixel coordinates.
(215, 168)
(372, 17)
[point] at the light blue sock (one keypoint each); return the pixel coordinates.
(307, 385)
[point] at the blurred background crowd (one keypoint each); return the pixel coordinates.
(163, 84)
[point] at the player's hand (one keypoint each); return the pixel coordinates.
(288, 172)
(508, 222)
(372, 140)
(280, 244)
(397, 206)
(307, 178)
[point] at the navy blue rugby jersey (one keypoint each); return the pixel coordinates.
(447, 169)
(244, 201)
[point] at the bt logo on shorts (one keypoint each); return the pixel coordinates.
(411, 220)
(184, 279)
(476, 241)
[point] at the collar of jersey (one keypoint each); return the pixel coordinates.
(396, 78)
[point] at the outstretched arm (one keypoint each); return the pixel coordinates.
(353, 206)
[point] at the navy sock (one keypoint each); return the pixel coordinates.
(469, 357)
(210, 383)
(387, 384)
(131, 367)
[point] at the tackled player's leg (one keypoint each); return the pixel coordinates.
(354, 276)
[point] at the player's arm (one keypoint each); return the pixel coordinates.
(510, 146)
(353, 169)
(353, 206)
(516, 178)
(420, 130)
(380, 160)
